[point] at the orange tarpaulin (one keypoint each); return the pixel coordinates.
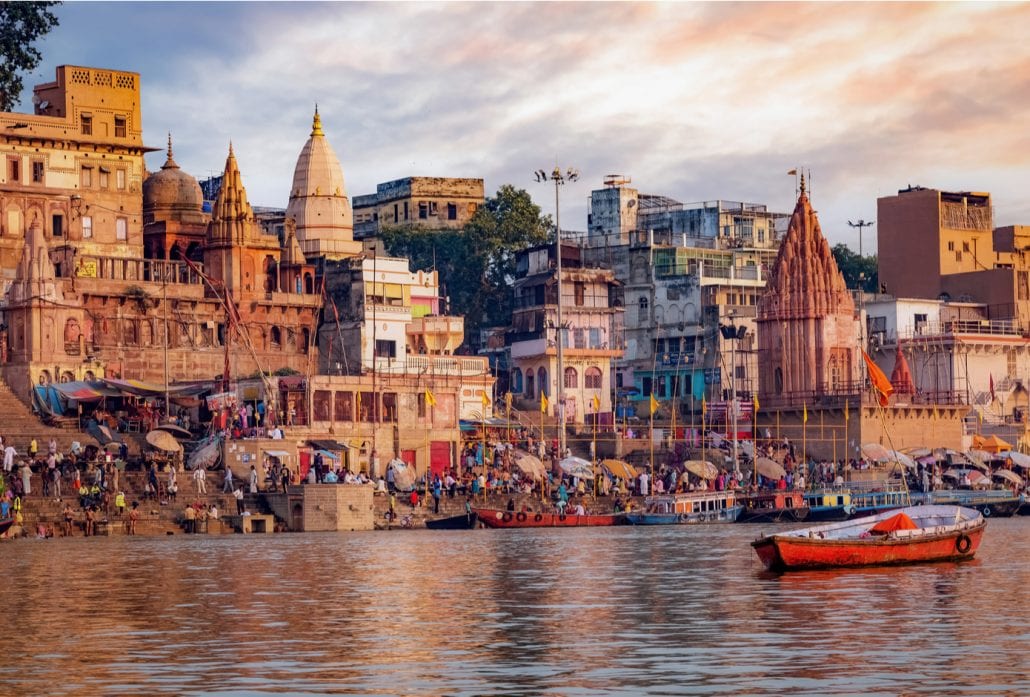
(991, 443)
(895, 522)
(880, 382)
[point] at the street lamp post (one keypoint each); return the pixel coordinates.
(860, 224)
(733, 334)
(559, 178)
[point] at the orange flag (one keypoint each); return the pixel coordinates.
(879, 380)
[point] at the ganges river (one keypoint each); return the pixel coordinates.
(617, 611)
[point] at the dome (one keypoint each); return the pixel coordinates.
(171, 190)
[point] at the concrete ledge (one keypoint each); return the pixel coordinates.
(248, 524)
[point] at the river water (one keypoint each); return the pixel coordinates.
(616, 611)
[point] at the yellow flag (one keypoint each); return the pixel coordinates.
(704, 406)
(654, 405)
(846, 415)
(755, 401)
(507, 399)
(430, 399)
(934, 412)
(543, 403)
(804, 414)
(597, 404)
(485, 397)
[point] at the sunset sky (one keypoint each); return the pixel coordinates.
(694, 101)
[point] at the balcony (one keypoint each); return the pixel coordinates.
(457, 366)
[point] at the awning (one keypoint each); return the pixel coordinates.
(328, 445)
(82, 391)
(275, 453)
(143, 389)
(330, 455)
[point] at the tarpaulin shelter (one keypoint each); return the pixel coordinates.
(900, 521)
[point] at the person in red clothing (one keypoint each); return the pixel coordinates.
(782, 483)
(414, 498)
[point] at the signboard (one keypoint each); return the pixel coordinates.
(86, 268)
(713, 376)
(221, 400)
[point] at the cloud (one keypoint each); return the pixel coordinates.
(695, 101)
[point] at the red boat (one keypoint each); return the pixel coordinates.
(493, 518)
(910, 536)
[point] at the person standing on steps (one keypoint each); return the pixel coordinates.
(227, 486)
(238, 495)
(253, 480)
(200, 480)
(133, 517)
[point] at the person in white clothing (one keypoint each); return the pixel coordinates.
(253, 480)
(9, 453)
(644, 479)
(200, 479)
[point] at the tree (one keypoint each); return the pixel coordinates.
(21, 24)
(477, 263)
(851, 265)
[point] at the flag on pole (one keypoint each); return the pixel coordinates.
(507, 399)
(755, 403)
(846, 414)
(486, 398)
(880, 382)
(543, 403)
(654, 405)
(792, 173)
(992, 386)
(430, 399)
(704, 406)
(597, 404)
(804, 413)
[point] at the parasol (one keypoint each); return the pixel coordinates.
(702, 468)
(530, 464)
(1018, 459)
(162, 440)
(902, 458)
(770, 469)
(577, 467)
(876, 452)
(618, 468)
(177, 431)
(1010, 476)
(917, 452)
(403, 475)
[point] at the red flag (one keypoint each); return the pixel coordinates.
(992, 386)
(880, 382)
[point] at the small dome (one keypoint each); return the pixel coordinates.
(171, 189)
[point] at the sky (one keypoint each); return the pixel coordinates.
(695, 101)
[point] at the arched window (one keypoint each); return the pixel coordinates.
(516, 381)
(593, 378)
(643, 305)
(271, 269)
(305, 340)
(541, 378)
(778, 378)
(276, 338)
(571, 378)
(530, 384)
(309, 284)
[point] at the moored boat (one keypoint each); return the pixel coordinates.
(691, 508)
(907, 536)
(465, 521)
(5, 524)
(991, 502)
(829, 505)
(777, 506)
(493, 518)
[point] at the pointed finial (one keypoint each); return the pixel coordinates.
(316, 124)
(802, 183)
(169, 145)
(231, 154)
(170, 163)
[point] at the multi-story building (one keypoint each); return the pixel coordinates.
(591, 333)
(431, 202)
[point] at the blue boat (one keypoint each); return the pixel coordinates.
(1000, 503)
(692, 508)
(887, 496)
(829, 505)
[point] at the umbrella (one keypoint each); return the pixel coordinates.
(1010, 476)
(530, 464)
(747, 447)
(901, 458)
(176, 431)
(980, 456)
(1018, 459)
(577, 467)
(769, 469)
(162, 440)
(403, 476)
(918, 452)
(701, 468)
(618, 468)
(876, 452)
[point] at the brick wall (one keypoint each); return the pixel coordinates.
(329, 507)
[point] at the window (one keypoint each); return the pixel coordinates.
(368, 407)
(1010, 359)
(516, 381)
(119, 178)
(87, 125)
(405, 210)
(571, 378)
(472, 209)
(423, 210)
(320, 405)
(87, 176)
(579, 338)
(344, 406)
(920, 323)
(390, 407)
(593, 378)
(642, 317)
(386, 348)
(646, 386)
(119, 126)
(595, 338)
(57, 225)
(965, 246)
(530, 384)
(422, 406)
(87, 227)
(121, 229)
(580, 293)
(276, 337)
(102, 179)
(395, 218)
(37, 171)
(452, 211)
(432, 208)
(14, 170)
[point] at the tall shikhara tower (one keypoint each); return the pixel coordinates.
(807, 328)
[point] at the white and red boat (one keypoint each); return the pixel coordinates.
(492, 518)
(908, 536)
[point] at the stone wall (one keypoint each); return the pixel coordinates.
(333, 507)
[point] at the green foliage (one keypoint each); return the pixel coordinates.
(21, 24)
(851, 265)
(477, 263)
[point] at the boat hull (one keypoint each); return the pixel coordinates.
(774, 515)
(5, 524)
(808, 550)
(457, 522)
(492, 518)
(726, 515)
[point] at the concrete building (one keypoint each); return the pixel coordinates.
(591, 338)
(431, 202)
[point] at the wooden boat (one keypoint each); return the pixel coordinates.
(493, 518)
(465, 521)
(692, 508)
(829, 505)
(991, 502)
(876, 501)
(777, 506)
(6, 523)
(908, 536)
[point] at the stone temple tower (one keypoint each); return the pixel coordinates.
(807, 328)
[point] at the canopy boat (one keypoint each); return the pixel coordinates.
(829, 504)
(493, 518)
(777, 506)
(465, 521)
(689, 508)
(909, 536)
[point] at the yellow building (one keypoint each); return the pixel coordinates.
(431, 202)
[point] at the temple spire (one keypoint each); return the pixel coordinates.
(170, 163)
(802, 182)
(316, 124)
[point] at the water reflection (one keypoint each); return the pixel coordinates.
(621, 611)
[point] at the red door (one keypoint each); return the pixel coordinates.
(439, 456)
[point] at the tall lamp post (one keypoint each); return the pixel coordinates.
(559, 178)
(734, 334)
(860, 224)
